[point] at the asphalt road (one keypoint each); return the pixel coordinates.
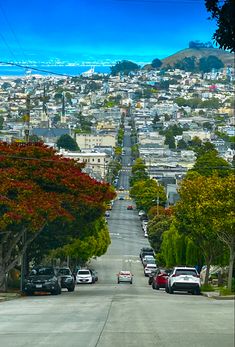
(107, 314)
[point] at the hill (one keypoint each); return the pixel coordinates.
(226, 57)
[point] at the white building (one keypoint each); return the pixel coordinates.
(88, 141)
(96, 163)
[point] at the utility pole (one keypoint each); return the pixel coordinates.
(27, 119)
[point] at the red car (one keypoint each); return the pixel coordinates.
(160, 278)
(129, 207)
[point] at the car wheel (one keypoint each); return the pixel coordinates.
(153, 285)
(118, 282)
(71, 289)
(197, 291)
(157, 287)
(171, 291)
(28, 293)
(167, 289)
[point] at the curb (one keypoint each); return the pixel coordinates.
(217, 296)
(9, 296)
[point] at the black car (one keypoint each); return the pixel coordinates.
(146, 251)
(94, 275)
(43, 279)
(67, 278)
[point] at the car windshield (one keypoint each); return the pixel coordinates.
(64, 272)
(83, 272)
(186, 272)
(43, 271)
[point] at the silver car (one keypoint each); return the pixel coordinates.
(125, 276)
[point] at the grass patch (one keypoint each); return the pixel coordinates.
(207, 288)
(225, 291)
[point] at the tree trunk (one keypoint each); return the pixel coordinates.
(208, 263)
(231, 263)
(3, 283)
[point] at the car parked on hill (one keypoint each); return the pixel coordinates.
(160, 278)
(149, 268)
(67, 278)
(184, 279)
(147, 258)
(43, 279)
(129, 207)
(84, 276)
(146, 251)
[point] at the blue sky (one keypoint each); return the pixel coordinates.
(45, 29)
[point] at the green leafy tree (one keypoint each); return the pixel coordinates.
(170, 140)
(223, 13)
(205, 212)
(156, 63)
(1, 122)
(191, 219)
(67, 142)
(125, 67)
(148, 193)
(138, 171)
(206, 64)
(182, 144)
(209, 162)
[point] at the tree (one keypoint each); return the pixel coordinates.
(148, 193)
(156, 63)
(206, 64)
(182, 144)
(43, 192)
(170, 140)
(195, 215)
(224, 14)
(138, 171)
(124, 67)
(67, 142)
(209, 162)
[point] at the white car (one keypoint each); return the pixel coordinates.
(125, 276)
(146, 258)
(184, 279)
(141, 213)
(84, 276)
(149, 268)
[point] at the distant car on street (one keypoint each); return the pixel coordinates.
(149, 268)
(129, 207)
(107, 214)
(125, 276)
(84, 276)
(121, 197)
(67, 278)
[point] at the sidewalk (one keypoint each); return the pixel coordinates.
(9, 296)
(217, 296)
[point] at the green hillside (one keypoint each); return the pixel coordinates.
(226, 57)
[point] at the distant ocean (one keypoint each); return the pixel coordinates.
(66, 70)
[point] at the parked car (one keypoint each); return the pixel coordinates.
(94, 275)
(146, 258)
(141, 213)
(129, 207)
(43, 279)
(160, 278)
(67, 278)
(149, 268)
(121, 197)
(84, 276)
(107, 214)
(144, 224)
(125, 276)
(184, 279)
(151, 275)
(146, 251)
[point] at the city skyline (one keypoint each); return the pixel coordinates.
(93, 29)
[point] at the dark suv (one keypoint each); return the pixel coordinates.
(67, 278)
(146, 251)
(43, 279)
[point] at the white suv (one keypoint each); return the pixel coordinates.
(184, 279)
(84, 276)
